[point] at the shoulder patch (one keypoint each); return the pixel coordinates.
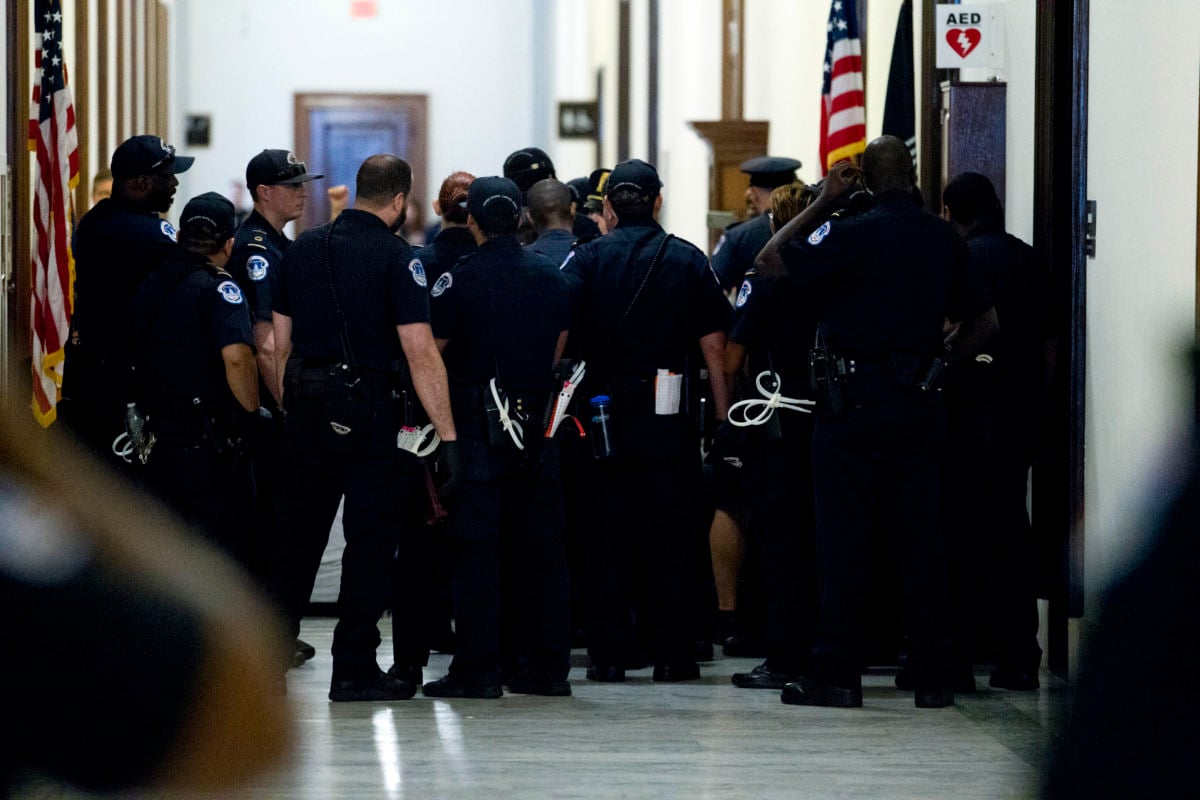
(256, 267)
(743, 294)
(818, 236)
(168, 230)
(418, 272)
(567, 260)
(230, 292)
(443, 283)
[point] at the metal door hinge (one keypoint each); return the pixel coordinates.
(1089, 230)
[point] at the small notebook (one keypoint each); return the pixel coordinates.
(667, 388)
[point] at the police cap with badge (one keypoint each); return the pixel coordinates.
(277, 168)
(147, 155)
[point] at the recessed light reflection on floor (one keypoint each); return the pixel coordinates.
(387, 748)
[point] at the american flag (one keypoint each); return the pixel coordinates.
(843, 112)
(52, 136)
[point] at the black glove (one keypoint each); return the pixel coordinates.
(449, 468)
(728, 441)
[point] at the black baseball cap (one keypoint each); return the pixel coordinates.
(528, 166)
(579, 190)
(147, 155)
(634, 174)
(768, 172)
(277, 167)
(495, 203)
(209, 217)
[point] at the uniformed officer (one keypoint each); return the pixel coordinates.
(738, 247)
(527, 166)
(198, 377)
(276, 181)
(550, 212)
(500, 317)
(773, 330)
(117, 244)
(885, 282)
(643, 303)
(993, 404)
(351, 317)
(453, 240)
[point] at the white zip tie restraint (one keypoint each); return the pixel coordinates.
(411, 439)
(564, 398)
(773, 401)
(511, 426)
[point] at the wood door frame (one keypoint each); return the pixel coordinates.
(415, 105)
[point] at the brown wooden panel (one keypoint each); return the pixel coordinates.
(731, 143)
(122, 53)
(20, 48)
(103, 36)
(973, 131)
(163, 67)
(78, 77)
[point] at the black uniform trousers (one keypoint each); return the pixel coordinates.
(378, 481)
(879, 463)
(213, 490)
(642, 536)
(781, 530)
(509, 557)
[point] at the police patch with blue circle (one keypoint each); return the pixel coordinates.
(230, 292)
(743, 294)
(256, 267)
(418, 272)
(818, 236)
(168, 230)
(443, 283)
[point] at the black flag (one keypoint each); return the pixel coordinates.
(899, 108)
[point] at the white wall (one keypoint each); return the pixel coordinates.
(242, 62)
(1144, 81)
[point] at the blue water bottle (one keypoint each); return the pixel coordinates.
(601, 427)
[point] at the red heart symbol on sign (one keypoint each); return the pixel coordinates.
(963, 41)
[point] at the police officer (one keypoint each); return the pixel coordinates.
(351, 317)
(500, 316)
(453, 240)
(550, 212)
(738, 247)
(993, 404)
(276, 181)
(643, 303)
(118, 243)
(198, 376)
(527, 166)
(885, 282)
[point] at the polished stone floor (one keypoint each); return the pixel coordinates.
(702, 739)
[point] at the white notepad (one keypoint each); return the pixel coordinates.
(667, 388)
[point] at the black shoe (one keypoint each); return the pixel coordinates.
(808, 692)
(450, 686)
(1014, 680)
(761, 677)
(407, 674)
(933, 698)
(376, 688)
(530, 683)
(963, 681)
(605, 673)
(305, 650)
(673, 673)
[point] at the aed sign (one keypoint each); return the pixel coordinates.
(966, 36)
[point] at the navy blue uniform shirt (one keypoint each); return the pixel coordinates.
(735, 253)
(776, 324)
(115, 249)
(554, 245)
(185, 313)
(257, 253)
(444, 251)
(680, 303)
(502, 309)
(887, 279)
(380, 284)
